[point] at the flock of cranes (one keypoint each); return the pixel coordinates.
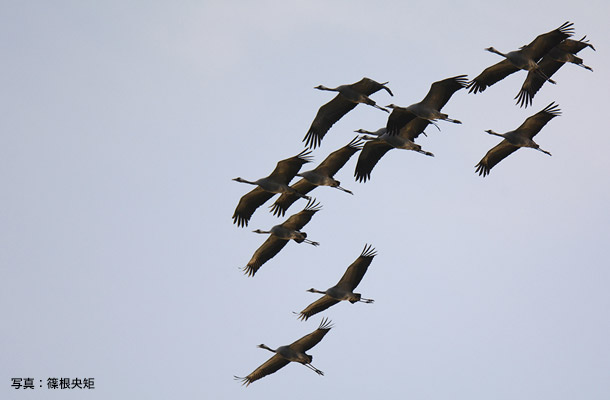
(542, 58)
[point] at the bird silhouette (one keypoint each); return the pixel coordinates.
(344, 289)
(295, 352)
(520, 137)
(349, 97)
(280, 235)
(322, 175)
(277, 182)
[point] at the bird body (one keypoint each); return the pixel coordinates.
(520, 137)
(381, 143)
(280, 235)
(429, 108)
(344, 289)
(526, 58)
(294, 352)
(276, 182)
(322, 175)
(349, 97)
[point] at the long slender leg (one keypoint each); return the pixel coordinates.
(317, 371)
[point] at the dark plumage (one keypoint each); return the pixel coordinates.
(550, 63)
(377, 146)
(282, 234)
(295, 352)
(322, 175)
(520, 137)
(349, 96)
(429, 108)
(277, 182)
(344, 289)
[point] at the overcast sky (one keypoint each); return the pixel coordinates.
(123, 123)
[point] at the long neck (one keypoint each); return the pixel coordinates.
(494, 133)
(321, 87)
(244, 181)
(262, 346)
(312, 290)
(493, 50)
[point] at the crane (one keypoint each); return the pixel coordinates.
(344, 289)
(429, 108)
(564, 52)
(525, 58)
(520, 137)
(280, 235)
(296, 352)
(349, 97)
(380, 143)
(277, 182)
(322, 175)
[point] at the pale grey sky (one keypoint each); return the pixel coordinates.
(124, 122)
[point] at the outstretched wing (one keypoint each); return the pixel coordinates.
(398, 119)
(414, 128)
(326, 117)
(354, 273)
(369, 86)
(534, 81)
(280, 206)
(440, 92)
(321, 304)
(545, 42)
(549, 65)
(299, 220)
(491, 75)
(371, 153)
(264, 253)
(286, 169)
(494, 156)
(270, 366)
(308, 341)
(536, 122)
(337, 159)
(248, 204)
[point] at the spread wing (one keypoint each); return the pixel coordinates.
(299, 220)
(491, 75)
(494, 156)
(337, 159)
(326, 117)
(545, 42)
(308, 341)
(280, 206)
(264, 253)
(270, 366)
(398, 119)
(248, 204)
(354, 273)
(440, 92)
(536, 122)
(321, 304)
(371, 153)
(286, 169)
(414, 128)
(369, 86)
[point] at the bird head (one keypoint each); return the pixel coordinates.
(491, 49)
(238, 179)
(257, 231)
(361, 131)
(321, 87)
(312, 290)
